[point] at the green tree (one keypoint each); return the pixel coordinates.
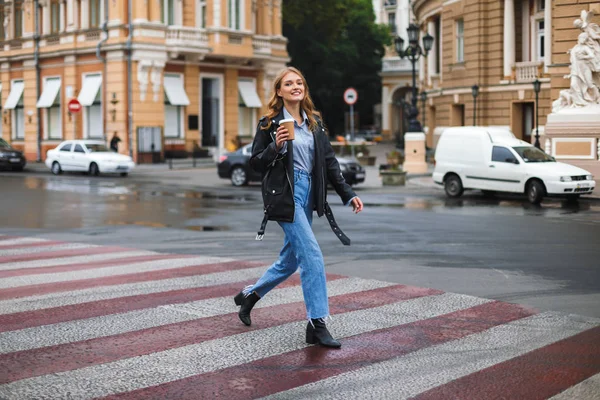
(337, 44)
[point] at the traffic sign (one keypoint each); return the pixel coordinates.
(350, 96)
(74, 106)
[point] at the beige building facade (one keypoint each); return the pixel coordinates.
(501, 46)
(163, 75)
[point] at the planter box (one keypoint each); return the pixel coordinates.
(393, 177)
(366, 160)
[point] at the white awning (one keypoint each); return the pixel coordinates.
(249, 95)
(89, 91)
(49, 94)
(0, 87)
(174, 91)
(16, 92)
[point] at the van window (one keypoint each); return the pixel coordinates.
(501, 154)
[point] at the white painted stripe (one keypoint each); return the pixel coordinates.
(19, 241)
(167, 366)
(53, 262)
(403, 377)
(100, 272)
(74, 331)
(585, 390)
(60, 299)
(40, 249)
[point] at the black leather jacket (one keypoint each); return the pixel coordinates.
(277, 170)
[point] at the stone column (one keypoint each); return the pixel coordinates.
(45, 18)
(548, 35)
(85, 14)
(432, 56)
(509, 36)
(62, 20)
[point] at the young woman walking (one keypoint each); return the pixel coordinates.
(295, 176)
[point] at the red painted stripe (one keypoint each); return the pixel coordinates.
(28, 319)
(62, 253)
(54, 359)
(201, 269)
(26, 245)
(91, 265)
(539, 374)
(289, 370)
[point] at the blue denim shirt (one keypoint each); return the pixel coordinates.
(304, 144)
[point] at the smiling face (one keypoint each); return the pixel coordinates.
(292, 88)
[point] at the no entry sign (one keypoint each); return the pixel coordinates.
(74, 106)
(350, 96)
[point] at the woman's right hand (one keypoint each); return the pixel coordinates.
(281, 137)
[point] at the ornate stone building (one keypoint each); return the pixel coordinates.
(501, 46)
(161, 74)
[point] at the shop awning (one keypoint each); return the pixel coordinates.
(89, 90)
(249, 96)
(16, 92)
(175, 92)
(49, 94)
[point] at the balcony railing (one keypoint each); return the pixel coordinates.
(235, 39)
(396, 64)
(261, 45)
(389, 3)
(527, 71)
(186, 36)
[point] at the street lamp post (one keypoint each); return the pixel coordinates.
(475, 93)
(424, 103)
(537, 85)
(413, 52)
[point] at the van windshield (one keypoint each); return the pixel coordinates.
(532, 154)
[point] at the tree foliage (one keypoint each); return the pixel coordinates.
(337, 44)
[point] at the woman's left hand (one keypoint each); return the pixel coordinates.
(357, 205)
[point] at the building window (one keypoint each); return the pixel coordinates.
(541, 5)
(54, 16)
(540, 39)
(201, 14)
(235, 15)
(392, 22)
(168, 12)
(95, 13)
(460, 40)
(18, 7)
(438, 46)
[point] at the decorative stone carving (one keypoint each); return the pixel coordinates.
(156, 78)
(585, 67)
(6, 21)
(144, 67)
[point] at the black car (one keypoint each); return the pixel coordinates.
(235, 166)
(11, 158)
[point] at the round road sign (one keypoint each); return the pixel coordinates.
(350, 96)
(74, 106)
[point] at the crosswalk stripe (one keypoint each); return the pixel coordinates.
(182, 362)
(97, 274)
(403, 377)
(124, 259)
(347, 295)
(585, 390)
(10, 242)
(41, 248)
(71, 260)
(82, 249)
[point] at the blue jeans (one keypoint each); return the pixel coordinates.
(300, 249)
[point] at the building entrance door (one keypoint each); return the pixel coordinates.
(523, 120)
(211, 114)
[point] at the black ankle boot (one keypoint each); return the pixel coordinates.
(320, 335)
(246, 303)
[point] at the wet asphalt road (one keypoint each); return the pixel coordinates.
(502, 248)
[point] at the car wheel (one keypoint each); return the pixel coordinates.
(239, 176)
(94, 170)
(535, 192)
(56, 170)
(123, 174)
(453, 186)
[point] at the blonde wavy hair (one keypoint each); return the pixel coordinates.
(275, 104)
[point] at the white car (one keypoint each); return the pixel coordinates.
(92, 156)
(493, 160)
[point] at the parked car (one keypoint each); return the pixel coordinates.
(235, 166)
(11, 158)
(92, 156)
(493, 160)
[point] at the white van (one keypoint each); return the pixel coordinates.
(493, 160)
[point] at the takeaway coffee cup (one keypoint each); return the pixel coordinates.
(289, 124)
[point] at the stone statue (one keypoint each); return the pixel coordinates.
(585, 67)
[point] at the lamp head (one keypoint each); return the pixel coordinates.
(537, 85)
(399, 45)
(413, 34)
(475, 90)
(427, 43)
